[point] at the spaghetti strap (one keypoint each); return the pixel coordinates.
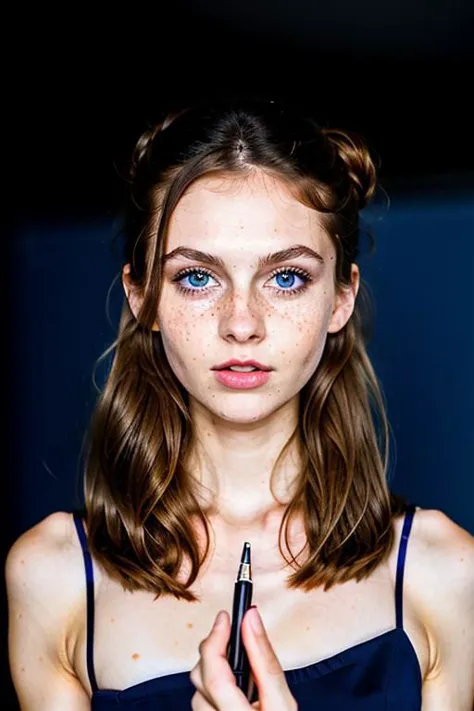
(90, 600)
(401, 564)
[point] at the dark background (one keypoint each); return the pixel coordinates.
(84, 85)
(81, 85)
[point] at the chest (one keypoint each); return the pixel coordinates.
(137, 638)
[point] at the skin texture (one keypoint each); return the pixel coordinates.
(243, 312)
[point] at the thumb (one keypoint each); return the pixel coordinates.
(213, 649)
(267, 671)
(219, 633)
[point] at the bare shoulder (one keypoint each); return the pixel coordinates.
(43, 556)
(439, 566)
(440, 557)
(45, 583)
(446, 549)
(440, 584)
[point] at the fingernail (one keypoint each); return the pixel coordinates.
(255, 619)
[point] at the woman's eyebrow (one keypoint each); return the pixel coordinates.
(297, 250)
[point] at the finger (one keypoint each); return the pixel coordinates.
(200, 703)
(196, 679)
(267, 671)
(213, 644)
(219, 683)
(212, 676)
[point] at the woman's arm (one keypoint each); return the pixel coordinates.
(442, 562)
(43, 589)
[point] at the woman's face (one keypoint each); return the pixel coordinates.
(277, 313)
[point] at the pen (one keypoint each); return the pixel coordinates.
(236, 654)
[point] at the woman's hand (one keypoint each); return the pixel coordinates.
(213, 678)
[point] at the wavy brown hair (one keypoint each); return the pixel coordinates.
(140, 499)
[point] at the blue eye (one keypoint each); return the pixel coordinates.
(287, 279)
(198, 281)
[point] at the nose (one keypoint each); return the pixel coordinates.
(242, 319)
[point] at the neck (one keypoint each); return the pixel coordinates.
(235, 465)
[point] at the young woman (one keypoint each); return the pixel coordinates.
(240, 406)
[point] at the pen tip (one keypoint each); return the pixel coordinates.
(246, 553)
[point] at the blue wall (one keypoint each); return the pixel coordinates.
(423, 348)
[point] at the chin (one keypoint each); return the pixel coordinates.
(244, 412)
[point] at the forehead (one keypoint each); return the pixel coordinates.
(255, 209)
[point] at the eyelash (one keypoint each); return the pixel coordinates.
(279, 292)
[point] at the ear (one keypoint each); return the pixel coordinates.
(345, 302)
(133, 295)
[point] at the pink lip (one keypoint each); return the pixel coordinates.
(242, 381)
(234, 361)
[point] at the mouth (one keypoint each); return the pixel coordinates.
(242, 366)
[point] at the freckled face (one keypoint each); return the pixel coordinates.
(277, 314)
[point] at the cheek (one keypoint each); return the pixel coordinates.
(314, 352)
(304, 335)
(308, 324)
(184, 339)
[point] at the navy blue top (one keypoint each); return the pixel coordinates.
(380, 674)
